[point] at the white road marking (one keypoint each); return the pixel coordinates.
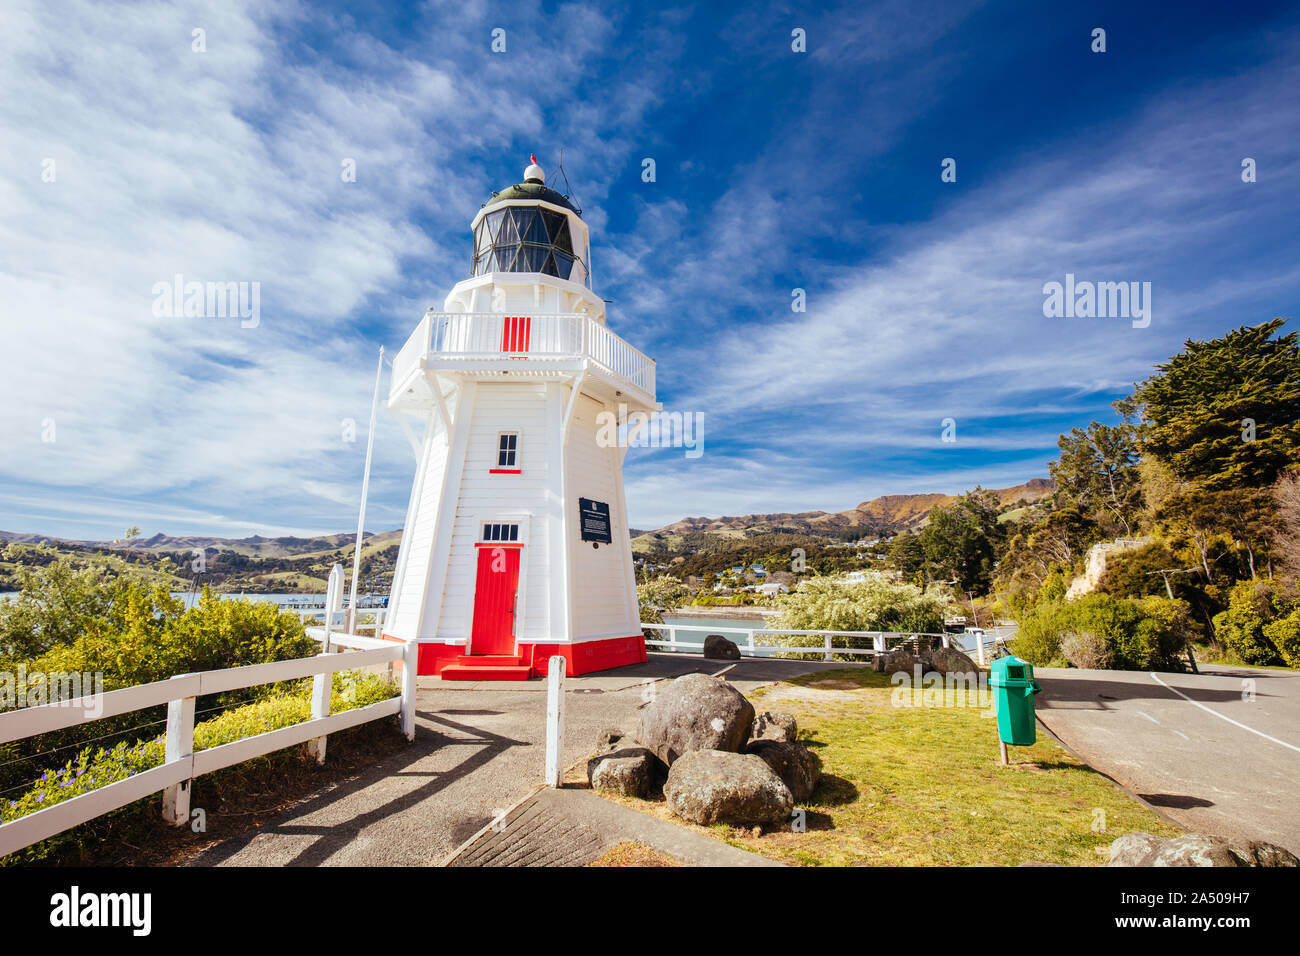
(1181, 734)
(1149, 717)
(1235, 723)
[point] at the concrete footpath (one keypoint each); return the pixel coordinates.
(572, 827)
(479, 749)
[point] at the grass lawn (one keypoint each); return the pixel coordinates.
(921, 786)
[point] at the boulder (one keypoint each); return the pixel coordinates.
(718, 648)
(695, 712)
(774, 726)
(630, 771)
(949, 660)
(715, 786)
(1196, 849)
(796, 765)
(1132, 848)
(611, 739)
(899, 660)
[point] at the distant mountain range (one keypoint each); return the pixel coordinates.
(253, 546)
(889, 513)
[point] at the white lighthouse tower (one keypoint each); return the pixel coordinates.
(516, 543)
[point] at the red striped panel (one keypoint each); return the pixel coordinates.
(515, 333)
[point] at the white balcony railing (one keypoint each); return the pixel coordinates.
(492, 337)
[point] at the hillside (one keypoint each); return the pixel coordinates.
(253, 564)
(252, 546)
(886, 514)
(259, 563)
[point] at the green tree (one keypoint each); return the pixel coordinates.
(1224, 413)
(57, 600)
(1057, 541)
(907, 555)
(1097, 473)
(963, 540)
(660, 594)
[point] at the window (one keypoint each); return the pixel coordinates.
(493, 531)
(524, 239)
(508, 450)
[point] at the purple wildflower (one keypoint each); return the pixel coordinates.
(40, 797)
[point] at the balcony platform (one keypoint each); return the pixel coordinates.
(551, 347)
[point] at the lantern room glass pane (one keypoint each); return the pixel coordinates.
(504, 258)
(536, 231)
(560, 238)
(532, 258)
(553, 222)
(509, 231)
(525, 239)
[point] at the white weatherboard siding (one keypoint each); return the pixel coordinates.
(548, 390)
(598, 589)
(416, 551)
(517, 499)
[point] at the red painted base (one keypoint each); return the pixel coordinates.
(532, 659)
(587, 657)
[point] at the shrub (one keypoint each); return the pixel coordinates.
(1145, 634)
(1038, 639)
(1241, 627)
(1084, 649)
(145, 635)
(877, 603)
(96, 767)
(149, 636)
(1285, 635)
(658, 595)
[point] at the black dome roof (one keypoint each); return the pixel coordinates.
(532, 190)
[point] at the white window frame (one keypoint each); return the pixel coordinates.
(518, 450)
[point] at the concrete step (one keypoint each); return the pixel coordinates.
(486, 667)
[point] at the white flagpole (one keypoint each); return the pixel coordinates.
(365, 490)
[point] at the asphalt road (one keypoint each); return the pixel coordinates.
(1218, 752)
(480, 747)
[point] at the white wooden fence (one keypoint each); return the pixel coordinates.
(181, 764)
(337, 618)
(881, 641)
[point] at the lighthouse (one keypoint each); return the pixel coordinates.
(516, 544)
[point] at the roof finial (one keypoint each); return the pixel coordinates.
(534, 174)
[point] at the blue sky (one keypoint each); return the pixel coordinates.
(776, 170)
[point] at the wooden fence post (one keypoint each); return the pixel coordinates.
(321, 685)
(554, 720)
(826, 640)
(410, 667)
(179, 745)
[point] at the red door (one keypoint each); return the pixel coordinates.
(494, 600)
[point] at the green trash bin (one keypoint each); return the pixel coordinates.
(1014, 687)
